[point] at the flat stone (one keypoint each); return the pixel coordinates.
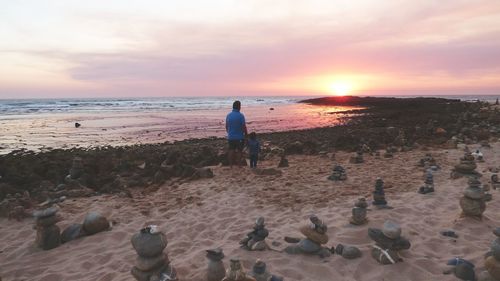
(47, 221)
(150, 263)
(391, 229)
(310, 233)
(95, 222)
(45, 213)
(309, 246)
(215, 254)
(348, 252)
(474, 193)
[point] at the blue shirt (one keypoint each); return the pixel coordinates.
(235, 123)
(253, 147)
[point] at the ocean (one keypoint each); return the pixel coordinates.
(39, 124)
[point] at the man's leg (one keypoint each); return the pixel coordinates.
(230, 157)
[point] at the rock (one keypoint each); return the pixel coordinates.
(236, 272)
(495, 251)
(464, 271)
(347, 252)
(308, 246)
(310, 233)
(95, 222)
(358, 216)
(474, 193)
(294, 148)
(259, 271)
(48, 237)
(72, 232)
(283, 162)
(378, 255)
(492, 265)
(45, 213)
(47, 221)
(472, 207)
(391, 229)
(150, 263)
(149, 245)
(386, 243)
(496, 231)
(215, 269)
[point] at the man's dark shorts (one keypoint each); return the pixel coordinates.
(236, 144)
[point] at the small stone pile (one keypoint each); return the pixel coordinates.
(495, 181)
(75, 176)
(283, 162)
(17, 206)
(428, 162)
(338, 174)
(216, 270)
(379, 194)
(428, 186)
(472, 203)
(48, 234)
(467, 164)
(388, 242)
(152, 263)
(255, 240)
(236, 272)
(357, 158)
(359, 212)
(315, 233)
(260, 273)
(492, 260)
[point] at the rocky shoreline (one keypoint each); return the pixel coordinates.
(386, 122)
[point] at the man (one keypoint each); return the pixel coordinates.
(236, 132)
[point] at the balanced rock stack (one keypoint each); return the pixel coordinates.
(236, 272)
(467, 164)
(48, 234)
(428, 162)
(315, 233)
(388, 242)
(338, 174)
(472, 203)
(379, 194)
(76, 172)
(152, 263)
(359, 212)
(215, 270)
(492, 261)
(428, 186)
(495, 182)
(283, 162)
(259, 272)
(255, 240)
(357, 158)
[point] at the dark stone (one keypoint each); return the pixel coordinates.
(72, 232)
(387, 243)
(149, 245)
(95, 222)
(48, 237)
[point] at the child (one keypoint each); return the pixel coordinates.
(253, 149)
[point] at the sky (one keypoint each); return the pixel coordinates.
(126, 48)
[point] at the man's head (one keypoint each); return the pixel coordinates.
(237, 105)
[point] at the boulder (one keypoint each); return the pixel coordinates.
(95, 222)
(149, 245)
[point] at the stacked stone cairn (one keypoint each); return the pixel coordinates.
(428, 186)
(379, 194)
(462, 269)
(315, 237)
(216, 270)
(236, 272)
(428, 162)
(388, 242)
(48, 234)
(283, 162)
(467, 165)
(151, 263)
(76, 172)
(472, 203)
(495, 181)
(359, 212)
(260, 273)
(492, 260)
(338, 174)
(357, 158)
(256, 239)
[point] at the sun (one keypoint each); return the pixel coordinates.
(340, 88)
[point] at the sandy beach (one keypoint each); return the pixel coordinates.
(217, 212)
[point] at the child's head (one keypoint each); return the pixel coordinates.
(252, 135)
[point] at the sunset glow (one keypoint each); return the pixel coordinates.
(194, 48)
